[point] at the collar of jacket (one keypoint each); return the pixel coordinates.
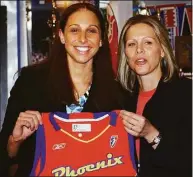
(161, 86)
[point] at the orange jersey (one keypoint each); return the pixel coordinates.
(88, 144)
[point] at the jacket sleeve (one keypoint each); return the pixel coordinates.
(14, 107)
(175, 148)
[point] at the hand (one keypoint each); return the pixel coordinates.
(138, 125)
(26, 124)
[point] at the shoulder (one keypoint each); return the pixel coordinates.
(176, 85)
(182, 86)
(119, 87)
(30, 77)
(184, 89)
(174, 93)
(178, 91)
(126, 98)
(36, 71)
(185, 82)
(121, 92)
(107, 96)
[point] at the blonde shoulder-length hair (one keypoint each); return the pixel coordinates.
(125, 75)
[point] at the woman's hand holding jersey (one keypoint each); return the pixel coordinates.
(26, 124)
(138, 126)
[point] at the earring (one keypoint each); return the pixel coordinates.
(63, 41)
(164, 62)
(100, 44)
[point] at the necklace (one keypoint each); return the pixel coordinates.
(85, 93)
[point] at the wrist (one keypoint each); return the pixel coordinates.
(153, 132)
(13, 146)
(15, 140)
(156, 141)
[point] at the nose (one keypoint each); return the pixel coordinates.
(83, 37)
(140, 49)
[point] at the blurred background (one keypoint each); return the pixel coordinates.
(27, 30)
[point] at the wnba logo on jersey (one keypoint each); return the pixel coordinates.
(113, 140)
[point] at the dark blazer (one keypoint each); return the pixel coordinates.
(28, 93)
(170, 111)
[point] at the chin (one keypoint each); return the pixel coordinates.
(83, 61)
(141, 73)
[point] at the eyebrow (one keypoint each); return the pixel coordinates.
(89, 26)
(143, 38)
(149, 37)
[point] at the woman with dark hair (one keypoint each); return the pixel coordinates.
(161, 102)
(77, 77)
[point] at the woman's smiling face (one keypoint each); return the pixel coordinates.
(82, 36)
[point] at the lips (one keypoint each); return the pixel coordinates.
(141, 61)
(82, 49)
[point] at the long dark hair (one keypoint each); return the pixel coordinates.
(60, 86)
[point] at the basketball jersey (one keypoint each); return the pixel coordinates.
(87, 144)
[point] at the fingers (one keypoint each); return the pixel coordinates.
(27, 121)
(33, 119)
(37, 115)
(126, 114)
(131, 131)
(134, 123)
(130, 120)
(24, 123)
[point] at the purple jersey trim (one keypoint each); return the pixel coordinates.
(40, 151)
(113, 118)
(132, 150)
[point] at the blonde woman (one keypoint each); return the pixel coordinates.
(161, 102)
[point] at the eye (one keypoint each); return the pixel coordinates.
(131, 44)
(148, 43)
(92, 30)
(74, 30)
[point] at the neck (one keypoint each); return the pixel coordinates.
(148, 83)
(81, 75)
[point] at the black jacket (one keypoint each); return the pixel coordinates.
(28, 93)
(170, 111)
